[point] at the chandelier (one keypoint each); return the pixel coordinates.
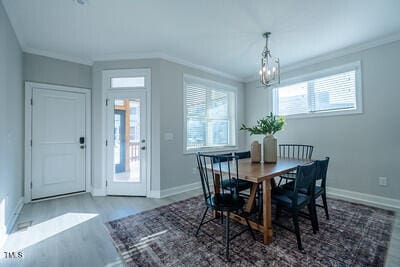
(270, 67)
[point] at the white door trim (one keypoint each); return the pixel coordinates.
(106, 87)
(28, 133)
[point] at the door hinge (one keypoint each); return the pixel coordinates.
(106, 102)
(31, 142)
(31, 101)
(106, 183)
(106, 142)
(31, 185)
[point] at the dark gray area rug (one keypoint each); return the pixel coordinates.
(355, 235)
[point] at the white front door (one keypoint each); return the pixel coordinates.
(126, 153)
(58, 142)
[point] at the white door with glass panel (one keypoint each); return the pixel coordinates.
(58, 142)
(126, 149)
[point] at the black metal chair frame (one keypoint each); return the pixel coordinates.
(294, 151)
(226, 200)
(322, 170)
(305, 179)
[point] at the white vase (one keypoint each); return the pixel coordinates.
(270, 149)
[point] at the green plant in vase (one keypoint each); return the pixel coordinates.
(267, 126)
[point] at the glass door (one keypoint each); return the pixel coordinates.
(127, 144)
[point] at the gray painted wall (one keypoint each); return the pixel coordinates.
(170, 167)
(177, 168)
(11, 122)
(50, 70)
(362, 147)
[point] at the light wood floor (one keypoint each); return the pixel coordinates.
(70, 231)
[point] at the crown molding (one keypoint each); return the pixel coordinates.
(164, 56)
(132, 56)
(335, 54)
(57, 56)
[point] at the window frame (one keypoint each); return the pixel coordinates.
(356, 66)
(213, 85)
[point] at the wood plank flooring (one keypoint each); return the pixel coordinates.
(70, 231)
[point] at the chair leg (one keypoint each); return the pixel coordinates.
(248, 224)
(297, 230)
(227, 237)
(315, 215)
(325, 205)
(201, 223)
(278, 211)
(260, 204)
(312, 216)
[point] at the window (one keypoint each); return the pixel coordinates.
(210, 115)
(329, 92)
(127, 82)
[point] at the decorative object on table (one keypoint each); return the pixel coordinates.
(267, 126)
(270, 66)
(255, 152)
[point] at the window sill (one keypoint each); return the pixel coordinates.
(324, 114)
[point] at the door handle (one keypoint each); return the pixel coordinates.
(81, 140)
(143, 148)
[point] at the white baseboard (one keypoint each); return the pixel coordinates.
(154, 194)
(14, 215)
(179, 189)
(372, 200)
(98, 192)
(173, 190)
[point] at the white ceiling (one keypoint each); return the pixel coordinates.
(224, 35)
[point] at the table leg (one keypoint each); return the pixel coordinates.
(252, 197)
(267, 219)
(216, 191)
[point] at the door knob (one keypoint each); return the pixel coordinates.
(143, 148)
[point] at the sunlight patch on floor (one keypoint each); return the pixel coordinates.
(44, 230)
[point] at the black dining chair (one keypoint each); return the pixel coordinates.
(320, 189)
(242, 184)
(243, 155)
(223, 201)
(296, 199)
(294, 151)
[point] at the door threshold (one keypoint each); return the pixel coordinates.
(58, 196)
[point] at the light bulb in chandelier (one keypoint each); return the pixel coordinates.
(270, 66)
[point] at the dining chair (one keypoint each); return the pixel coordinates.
(294, 200)
(243, 155)
(294, 151)
(242, 184)
(320, 189)
(223, 201)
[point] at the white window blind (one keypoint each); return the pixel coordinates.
(332, 91)
(209, 115)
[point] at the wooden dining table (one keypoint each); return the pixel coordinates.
(258, 173)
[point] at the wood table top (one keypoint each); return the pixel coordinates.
(258, 172)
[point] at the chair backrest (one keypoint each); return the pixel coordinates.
(322, 170)
(295, 151)
(305, 179)
(226, 166)
(243, 155)
(221, 157)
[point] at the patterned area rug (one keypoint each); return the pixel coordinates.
(355, 235)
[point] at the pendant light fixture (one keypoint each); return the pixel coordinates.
(270, 67)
